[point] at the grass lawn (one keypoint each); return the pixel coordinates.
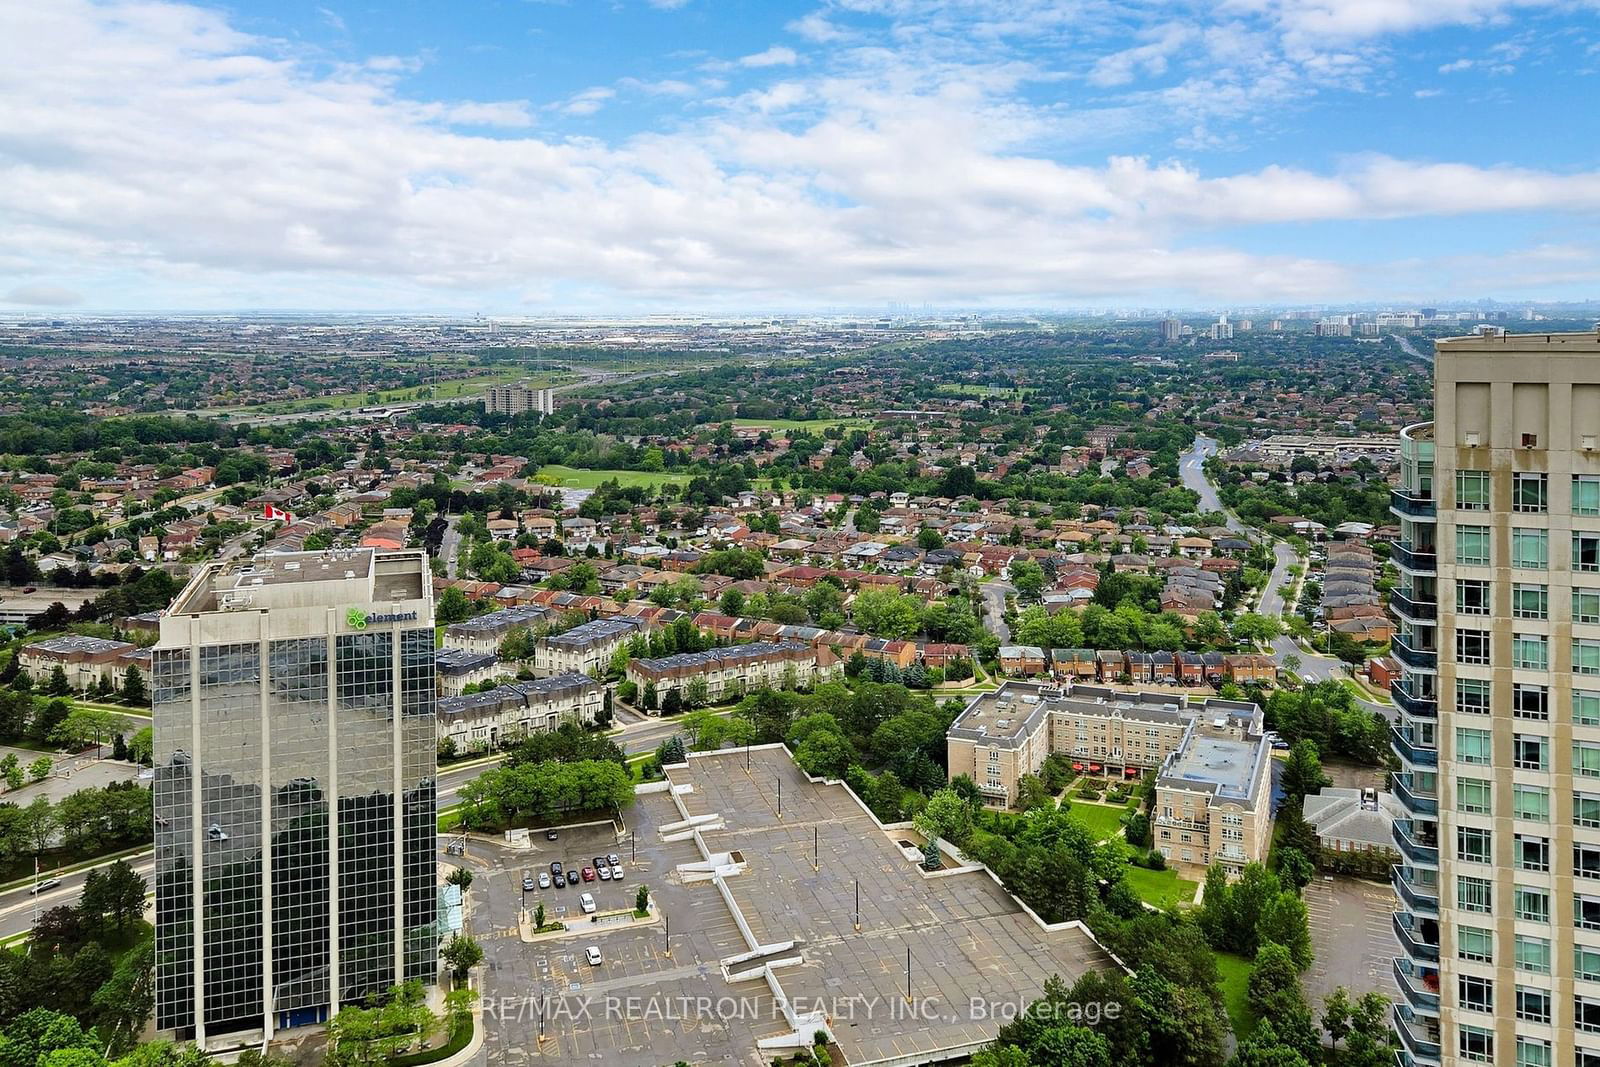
(1235, 974)
(815, 425)
(1103, 820)
(574, 478)
(1363, 693)
(1161, 888)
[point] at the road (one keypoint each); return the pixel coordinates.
(1191, 468)
(18, 907)
(1322, 668)
(1406, 346)
(994, 607)
(450, 545)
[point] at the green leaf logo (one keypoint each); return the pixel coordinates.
(356, 619)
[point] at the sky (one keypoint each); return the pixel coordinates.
(535, 157)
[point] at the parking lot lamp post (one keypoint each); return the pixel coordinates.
(667, 932)
(780, 796)
(858, 905)
(908, 974)
(541, 1017)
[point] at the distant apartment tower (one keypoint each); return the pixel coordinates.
(519, 398)
(1171, 329)
(1498, 605)
(294, 790)
(1221, 330)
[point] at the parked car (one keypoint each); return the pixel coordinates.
(604, 873)
(600, 861)
(588, 874)
(592, 954)
(527, 883)
(613, 859)
(544, 879)
(616, 873)
(555, 869)
(572, 877)
(551, 835)
(586, 902)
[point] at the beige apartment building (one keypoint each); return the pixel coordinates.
(1214, 797)
(518, 398)
(737, 669)
(84, 660)
(1499, 739)
(1212, 756)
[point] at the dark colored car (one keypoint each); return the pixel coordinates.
(600, 861)
(572, 877)
(550, 835)
(555, 869)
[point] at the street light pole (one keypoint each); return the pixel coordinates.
(779, 780)
(858, 905)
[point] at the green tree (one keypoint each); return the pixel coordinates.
(462, 953)
(58, 686)
(948, 816)
(453, 606)
(133, 688)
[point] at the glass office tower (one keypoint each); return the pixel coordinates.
(294, 791)
(1498, 917)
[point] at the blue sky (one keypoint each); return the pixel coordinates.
(539, 157)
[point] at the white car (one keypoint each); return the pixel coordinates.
(592, 954)
(544, 879)
(616, 872)
(604, 873)
(586, 902)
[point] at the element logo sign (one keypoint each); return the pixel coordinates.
(356, 619)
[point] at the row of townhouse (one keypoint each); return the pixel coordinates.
(484, 720)
(1115, 665)
(737, 669)
(85, 661)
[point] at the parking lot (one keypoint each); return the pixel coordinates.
(575, 848)
(1352, 935)
(659, 993)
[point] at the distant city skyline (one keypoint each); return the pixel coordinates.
(550, 158)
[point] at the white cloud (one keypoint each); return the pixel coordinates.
(156, 154)
(776, 56)
(1457, 65)
(817, 28)
(1118, 68)
(1425, 94)
(42, 295)
(587, 101)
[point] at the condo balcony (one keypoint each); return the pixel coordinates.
(1418, 985)
(1423, 561)
(1421, 900)
(1421, 1041)
(1423, 852)
(1411, 609)
(1416, 658)
(1411, 504)
(1415, 803)
(1409, 751)
(1418, 707)
(1409, 931)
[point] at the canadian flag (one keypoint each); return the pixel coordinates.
(277, 513)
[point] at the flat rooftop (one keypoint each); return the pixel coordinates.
(299, 579)
(971, 945)
(1229, 765)
(1586, 342)
(1013, 711)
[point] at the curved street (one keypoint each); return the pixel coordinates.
(1191, 466)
